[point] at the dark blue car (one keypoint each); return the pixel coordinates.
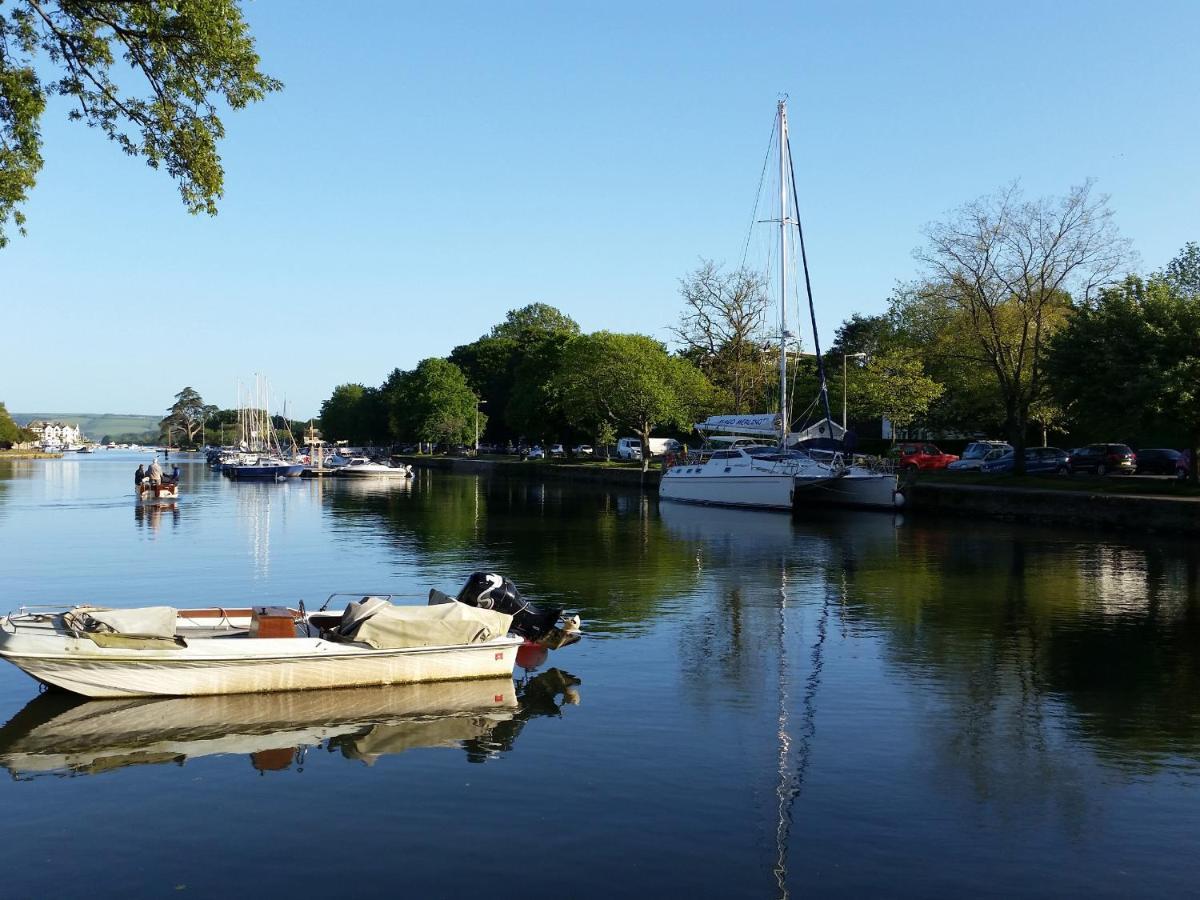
(1038, 461)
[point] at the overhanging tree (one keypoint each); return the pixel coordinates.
(188, 57)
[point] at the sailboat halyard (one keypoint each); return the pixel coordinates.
(776, 476)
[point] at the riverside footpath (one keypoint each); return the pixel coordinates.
(1104, 504)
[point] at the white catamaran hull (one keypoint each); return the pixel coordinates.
(870, 491)
(247, 666)
(758, 491)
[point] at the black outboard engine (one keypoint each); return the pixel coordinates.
(489, 591)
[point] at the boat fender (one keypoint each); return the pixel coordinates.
(898, 499)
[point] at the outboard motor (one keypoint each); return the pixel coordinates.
(489, 591)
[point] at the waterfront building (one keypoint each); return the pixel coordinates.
(55, 434)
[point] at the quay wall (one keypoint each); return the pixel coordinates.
(1175, 515)
(626, 476)
(1135, 512)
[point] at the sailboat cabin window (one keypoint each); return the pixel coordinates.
(726, 454)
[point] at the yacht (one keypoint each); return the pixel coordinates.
(361, 467)
(778, 469)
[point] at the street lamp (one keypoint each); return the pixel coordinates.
(477, 405)
(845, 381)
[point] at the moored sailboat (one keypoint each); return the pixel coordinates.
(771, 471)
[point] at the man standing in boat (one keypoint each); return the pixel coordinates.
(155, 473)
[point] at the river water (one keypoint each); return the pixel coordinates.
(843, 705)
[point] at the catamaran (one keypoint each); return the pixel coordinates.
(773, 469)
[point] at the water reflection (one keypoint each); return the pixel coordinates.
(62, 735)
(604, 554)
(150, 515)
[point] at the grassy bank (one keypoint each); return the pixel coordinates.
(28, 454)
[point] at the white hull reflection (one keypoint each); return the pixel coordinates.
(59, 734)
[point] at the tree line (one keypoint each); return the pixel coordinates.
(1023, 319)
(533, 377)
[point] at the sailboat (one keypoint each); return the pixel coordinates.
(261, 456)
(759, 467)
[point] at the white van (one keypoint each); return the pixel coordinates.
(663, 446)
(629, 448)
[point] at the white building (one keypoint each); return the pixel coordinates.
(55, 434)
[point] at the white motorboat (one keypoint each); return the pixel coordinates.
(361, 467)
(161, 651)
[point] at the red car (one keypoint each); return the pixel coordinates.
(926, 457)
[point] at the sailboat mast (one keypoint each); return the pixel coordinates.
(783, 257)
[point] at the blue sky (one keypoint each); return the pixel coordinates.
(431, 166)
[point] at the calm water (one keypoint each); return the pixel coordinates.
(842, 706)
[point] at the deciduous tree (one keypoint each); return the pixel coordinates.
(723, 331)
(631, 381)
(189, 60)
(1129, 364)
(434, 403)
(1006, 266)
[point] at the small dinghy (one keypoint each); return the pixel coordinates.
(150, 493)
(168, 652)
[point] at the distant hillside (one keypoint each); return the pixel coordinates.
(97, 425)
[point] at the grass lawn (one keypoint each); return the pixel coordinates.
(1115, 484)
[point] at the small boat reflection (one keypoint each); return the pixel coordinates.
(59, 734)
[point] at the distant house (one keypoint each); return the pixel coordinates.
(55, 434)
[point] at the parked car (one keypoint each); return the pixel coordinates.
(926, 457)
(558, 451)
(583, 450)
(1104, 459)
(1038, 461)
(536, 453)
(1162, 462)
(975, 453)
(663, 446)
(629, 448)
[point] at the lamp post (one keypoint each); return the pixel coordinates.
(845, 381)
(478, 404)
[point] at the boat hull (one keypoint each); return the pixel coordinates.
(866, 492)
(766, 491)
(257, 666)
(264, 473)
(148, 493)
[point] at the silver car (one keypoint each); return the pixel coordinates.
(976, 453)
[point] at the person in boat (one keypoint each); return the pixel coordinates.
(139, 474)
(155, 472)
(174, 479)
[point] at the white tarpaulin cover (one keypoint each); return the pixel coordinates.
(446, 624)
(146, 621)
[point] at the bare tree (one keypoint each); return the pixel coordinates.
(1011, 266)
(722, 329)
